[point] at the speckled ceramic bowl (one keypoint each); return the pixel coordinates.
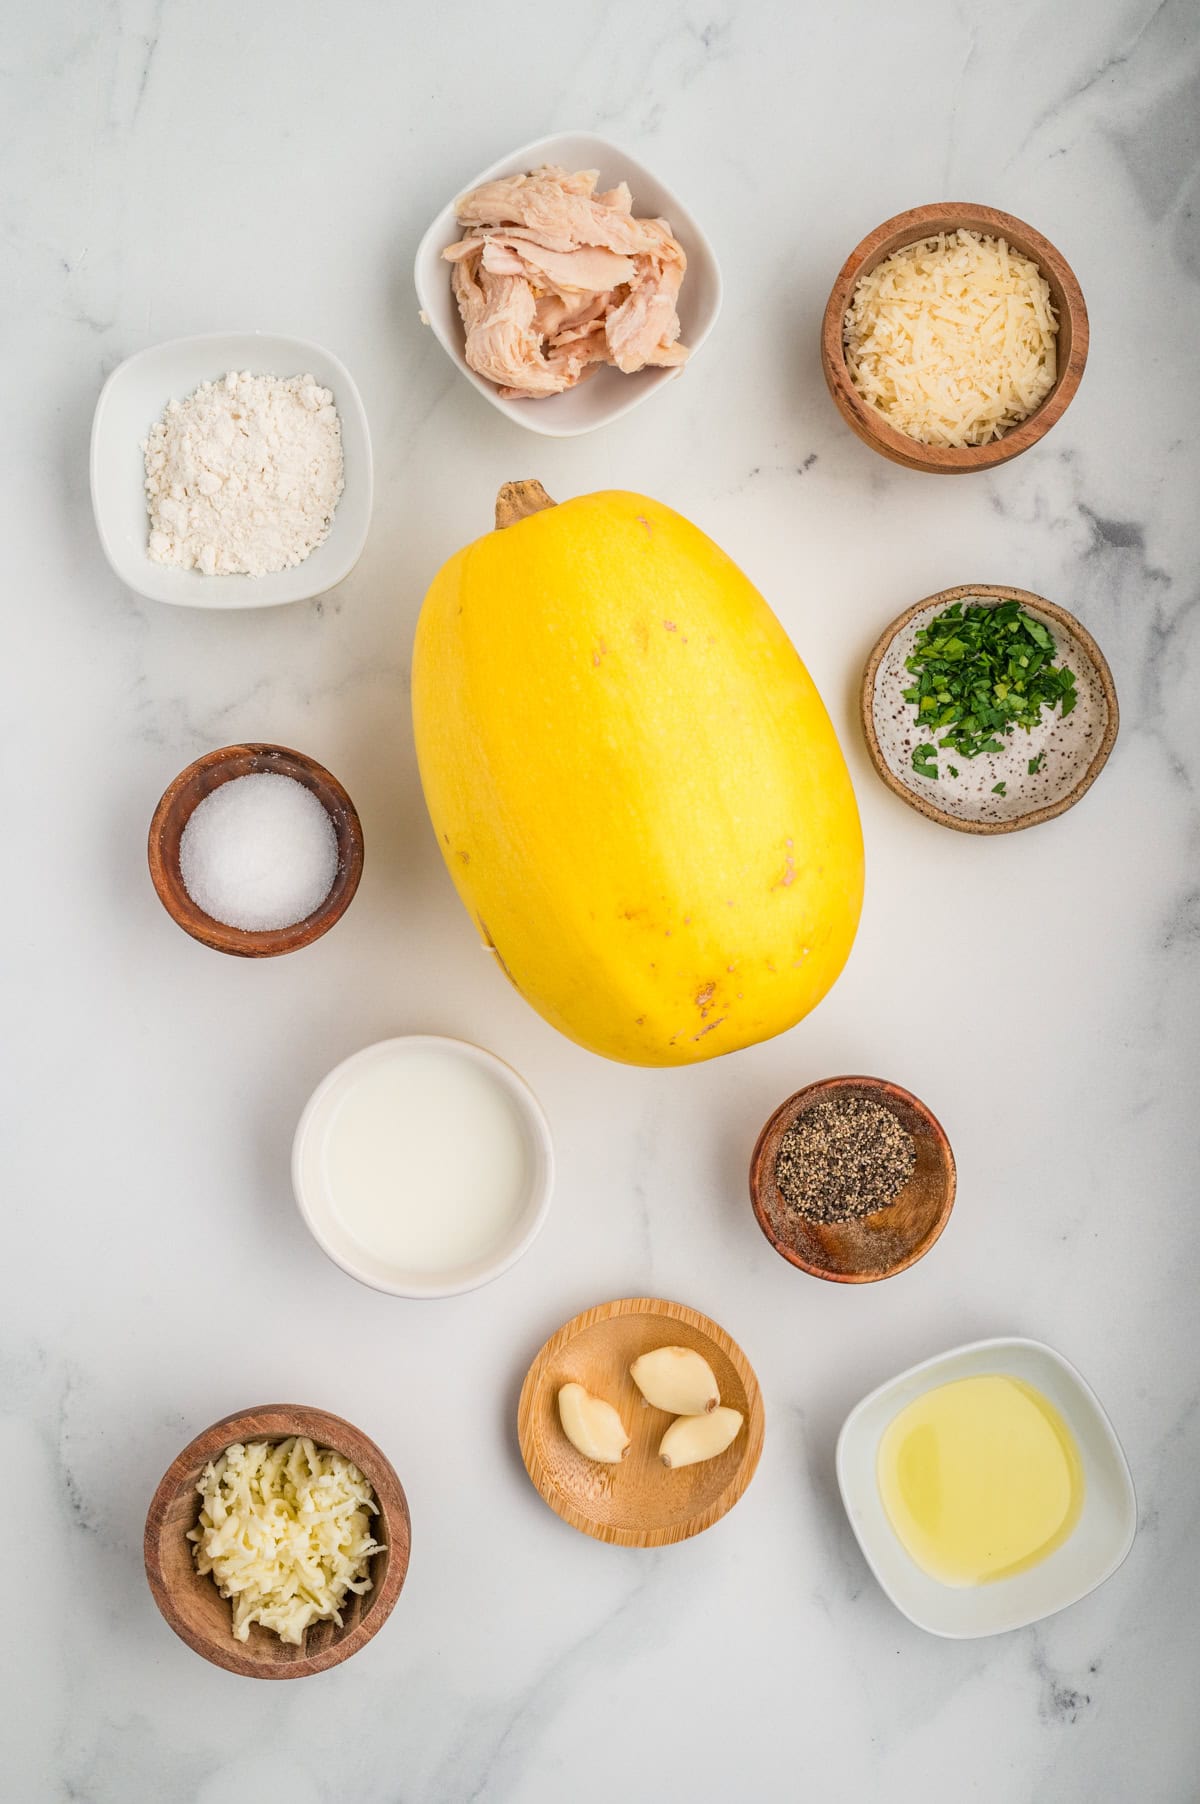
(1076, 748)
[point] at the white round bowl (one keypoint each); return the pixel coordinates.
(135, 396)
(316, 1205)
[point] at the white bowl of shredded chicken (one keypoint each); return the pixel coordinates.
(567, 283)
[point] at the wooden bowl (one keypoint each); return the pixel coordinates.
(200, 779)
(1075, 747)
(638, 1503)
(877, 1245)
(195, 1608)
(925, 222)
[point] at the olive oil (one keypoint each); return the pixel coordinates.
(980, 1479)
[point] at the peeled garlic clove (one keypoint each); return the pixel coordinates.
(676, 1379)
(693, 1438)
(592, 1425)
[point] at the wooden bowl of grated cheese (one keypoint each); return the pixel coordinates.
(954, 338)
(315, 1467)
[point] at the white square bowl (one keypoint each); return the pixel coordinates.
(135, 396)
(1092, 1552)
(608, 394)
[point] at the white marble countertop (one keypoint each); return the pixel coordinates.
(174, 169)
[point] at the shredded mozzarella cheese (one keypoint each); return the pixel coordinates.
(285, 1530)
(953, 339)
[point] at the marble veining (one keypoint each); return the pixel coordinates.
(175, 169)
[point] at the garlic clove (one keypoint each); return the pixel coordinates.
(690, 1439)
(591, 1425)
(676, 1379)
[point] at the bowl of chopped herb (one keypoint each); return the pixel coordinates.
(852, 1179)
(988, 708)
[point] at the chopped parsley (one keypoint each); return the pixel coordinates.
(999, 789)
(981, 672)
(1035, 764)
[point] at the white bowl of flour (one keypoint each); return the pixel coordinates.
(272, 450)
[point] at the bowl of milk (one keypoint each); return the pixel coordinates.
(423, 1166)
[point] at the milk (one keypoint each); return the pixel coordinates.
(424, 1160)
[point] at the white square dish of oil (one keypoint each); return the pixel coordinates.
(987, 1488)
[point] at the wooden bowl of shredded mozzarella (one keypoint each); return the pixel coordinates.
(277, 1542)
(954, 337)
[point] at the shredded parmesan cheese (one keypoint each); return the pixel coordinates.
(953, 339)
(285, 1530)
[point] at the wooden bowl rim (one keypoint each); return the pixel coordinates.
(908, 228)
(788, 1110)
(275, 1422)
(998, 592)
(700, 1519)
(273, 941)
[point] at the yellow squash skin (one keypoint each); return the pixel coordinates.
(634, 783)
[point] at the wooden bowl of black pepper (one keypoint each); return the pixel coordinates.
(852, 1179)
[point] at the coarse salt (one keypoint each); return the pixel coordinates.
(259, 852)
(242, 478)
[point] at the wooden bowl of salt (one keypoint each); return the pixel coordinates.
(277, 857)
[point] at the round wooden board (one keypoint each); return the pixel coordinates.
(639, 1503)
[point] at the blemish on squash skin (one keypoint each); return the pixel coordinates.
(704, 999)
(642, 521)
(709, 1028)
(600, 652)
(670, 626)
(466, 857)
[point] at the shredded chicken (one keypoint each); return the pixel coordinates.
(553, 279)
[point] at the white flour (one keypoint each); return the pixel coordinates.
(242, 478)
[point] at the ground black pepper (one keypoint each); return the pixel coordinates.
(843, 1159)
